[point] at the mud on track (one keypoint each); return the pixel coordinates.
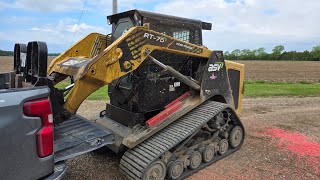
(282, 142)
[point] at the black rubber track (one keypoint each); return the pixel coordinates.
(135, 161)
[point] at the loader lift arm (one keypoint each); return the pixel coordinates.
(92, 70)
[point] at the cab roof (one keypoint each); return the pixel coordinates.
(161, 17)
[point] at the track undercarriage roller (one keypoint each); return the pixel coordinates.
(223, 147)
(235, 137)
(175, 169)
(156, 170)
(194, 158)
(207, 153)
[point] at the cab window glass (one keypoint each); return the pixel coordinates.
(121, 28)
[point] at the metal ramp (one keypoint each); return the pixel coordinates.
(78, 136)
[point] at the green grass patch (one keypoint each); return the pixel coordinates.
(100, 94)
(269, 89)
(252, 89)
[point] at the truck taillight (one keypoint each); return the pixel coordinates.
(42, 108)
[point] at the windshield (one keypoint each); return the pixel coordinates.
(121, 28)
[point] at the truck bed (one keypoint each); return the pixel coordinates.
(78, 136)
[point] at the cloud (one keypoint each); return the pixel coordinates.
(58, 34)
(39, 20)
(80, 27)
(47, 5)
(236, 23)
(105, 6)
(41, 29)
(97, 6)
(251, 23)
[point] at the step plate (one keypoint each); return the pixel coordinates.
(78, 136)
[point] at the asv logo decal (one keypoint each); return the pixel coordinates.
(215, 67)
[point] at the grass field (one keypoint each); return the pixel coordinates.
(267, 89)
(252, 89)
(101, 94)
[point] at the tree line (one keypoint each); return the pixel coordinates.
(6, 53)
(278, 54)
(10, 53)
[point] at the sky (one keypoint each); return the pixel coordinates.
(237, 24)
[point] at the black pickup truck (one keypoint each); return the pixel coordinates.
(32, 147)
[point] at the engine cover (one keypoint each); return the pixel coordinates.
(149, 89)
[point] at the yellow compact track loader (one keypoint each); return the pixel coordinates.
(173, 102)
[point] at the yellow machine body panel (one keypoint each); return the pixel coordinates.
(88, 47)
(230, 65)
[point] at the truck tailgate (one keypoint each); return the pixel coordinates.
(78, 136)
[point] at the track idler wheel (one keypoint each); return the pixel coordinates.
(195, 160)
(175, 169)
(236, 137)
(223, 146)
(208, 154)
(156, 171)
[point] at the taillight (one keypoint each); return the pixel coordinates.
(42, 108)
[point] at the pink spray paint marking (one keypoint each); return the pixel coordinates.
(297, 144)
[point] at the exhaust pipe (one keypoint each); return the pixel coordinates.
(115, 7)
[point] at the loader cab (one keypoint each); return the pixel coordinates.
(188, 30)
(142, 94)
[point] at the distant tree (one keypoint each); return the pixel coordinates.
(316, 49)
(278, 49)
(245, 54)
(315, 53)
(6, 53)
(53, 54)
(236, 53)
(291, 55)
(277, 52)
(306, 56)
(260, 53)
(252, 54)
